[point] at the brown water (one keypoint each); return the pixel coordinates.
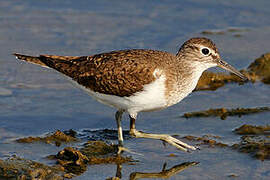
(35, 100)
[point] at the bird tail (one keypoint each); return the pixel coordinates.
(30, 59)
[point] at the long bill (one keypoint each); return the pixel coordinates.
(228, 67)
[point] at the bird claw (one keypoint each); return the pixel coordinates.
(179, 144)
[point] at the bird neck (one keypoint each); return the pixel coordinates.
(184, 75)
(189, 73)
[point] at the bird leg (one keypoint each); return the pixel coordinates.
(118, 118)
(164, 137)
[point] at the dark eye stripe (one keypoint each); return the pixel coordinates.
(213, 56)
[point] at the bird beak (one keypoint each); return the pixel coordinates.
(228, 67)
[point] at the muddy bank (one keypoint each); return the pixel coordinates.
(69, 162)
(223, 113)
(247, 129)
(206, 140)
(255, 141)
(57, 138)
(22, 169)
(257, 146)
(99, 152)
(259, 70)
(75, 160)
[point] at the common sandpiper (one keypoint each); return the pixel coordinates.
(139, 80)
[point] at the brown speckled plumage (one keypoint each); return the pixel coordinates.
(124, 72)
(120, 73)
(202, 41)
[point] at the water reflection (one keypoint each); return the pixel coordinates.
(164, 173)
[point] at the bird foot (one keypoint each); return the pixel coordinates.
(165, 138)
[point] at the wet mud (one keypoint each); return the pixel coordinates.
(206, 140)
(99, 152)
(76, 160)
(22, 169)
(261, 68)
(92, 152)
(72, 160)
(255, 141)
(69, 162)
(223, 113)
(253, 130)
(57, 138)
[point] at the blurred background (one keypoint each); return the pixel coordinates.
(35, 100)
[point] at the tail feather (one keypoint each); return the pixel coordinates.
(67, 65)
(30, 59)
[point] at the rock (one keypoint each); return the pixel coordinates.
(22, 169)
(72, 160)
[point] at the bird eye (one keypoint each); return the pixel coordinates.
(205, 51)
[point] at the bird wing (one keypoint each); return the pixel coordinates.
(120, 73)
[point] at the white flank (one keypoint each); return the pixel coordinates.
(152, 97)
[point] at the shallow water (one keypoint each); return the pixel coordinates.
(35, 100)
